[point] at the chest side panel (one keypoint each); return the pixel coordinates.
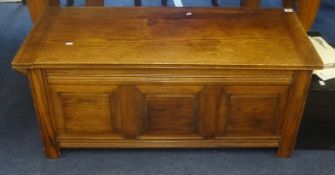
(228, 107)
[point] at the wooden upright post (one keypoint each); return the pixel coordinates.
(36, 7)
(38, 89)
(289, 3)
(307, 11)
(251, 4)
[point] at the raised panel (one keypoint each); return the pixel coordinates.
(171, 109)
(86, 112)
(252, 115)
(177, 110)
(252, 111)
(171, 115)
(85, 109)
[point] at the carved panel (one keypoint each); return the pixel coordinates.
(86, 112)
(169, 110)
(252, 110)
(252, 115)
(176, 110)
(80, 109)
(171, 114)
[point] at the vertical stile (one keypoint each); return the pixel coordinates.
(250, 4)
(54, 3)
(94, 2)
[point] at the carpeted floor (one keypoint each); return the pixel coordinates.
(21, 149)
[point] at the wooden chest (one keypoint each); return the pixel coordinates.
(168, 77)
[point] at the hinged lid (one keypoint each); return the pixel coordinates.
(227, 38)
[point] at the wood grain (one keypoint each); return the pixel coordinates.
(251, 4)
(47, 130)
(219, 143)
(307, 11)
(156, 78)
(289, 3)
(38, 7)
(168, 34)
(94, 2)
(75, 113)
(257, 111)
(54, 3)
(27, 53)
(294, 112)
(132, 107)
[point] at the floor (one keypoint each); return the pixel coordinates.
(21, 150)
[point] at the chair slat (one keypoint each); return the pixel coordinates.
(54, 3)
(251, 4)
(307, 11)
(94, 2)
(289, 3)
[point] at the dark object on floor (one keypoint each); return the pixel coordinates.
(318, 124)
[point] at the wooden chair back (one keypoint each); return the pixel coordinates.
(306, 9)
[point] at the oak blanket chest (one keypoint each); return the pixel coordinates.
(168, 77)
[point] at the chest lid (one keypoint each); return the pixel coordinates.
(227, 38)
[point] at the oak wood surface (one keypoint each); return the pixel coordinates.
(294, 112)
(251, 4)
(307, 12)
(36, 8)
(44, 116)
(208, 143)
(94, 2)
(156, 78)
(156, 36)
(307, 9)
